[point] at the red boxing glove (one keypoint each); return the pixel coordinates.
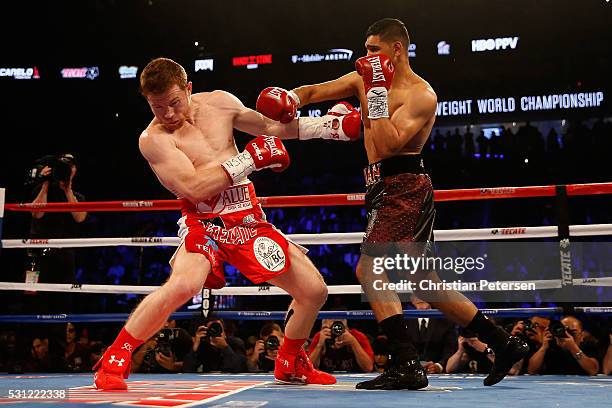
(342, 122)
(263, 152)
(278, 104)
(377, 73)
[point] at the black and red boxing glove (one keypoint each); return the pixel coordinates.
(376, 70)
(278, 104)
(342, 122)
(263, 152)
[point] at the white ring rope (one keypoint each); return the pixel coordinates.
(260, 290)
(473, 234)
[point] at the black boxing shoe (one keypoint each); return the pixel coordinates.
(514, 350)
(406, 376)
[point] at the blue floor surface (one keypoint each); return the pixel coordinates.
(259, 390)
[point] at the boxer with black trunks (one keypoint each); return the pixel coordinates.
(190, 147)
(398, 112)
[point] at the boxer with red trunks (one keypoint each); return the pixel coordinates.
(398, 112)
(190, 147)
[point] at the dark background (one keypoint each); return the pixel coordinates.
(564, 46)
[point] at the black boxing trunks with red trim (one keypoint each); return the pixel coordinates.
(231, 227)
(399, 203)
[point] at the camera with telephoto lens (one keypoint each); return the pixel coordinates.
(165, 339)
(214, 330)
(272, 343)
(337, 329)
(558, 329)
(61, 169)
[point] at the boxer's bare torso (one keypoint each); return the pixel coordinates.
(205, 137)
(404, 93)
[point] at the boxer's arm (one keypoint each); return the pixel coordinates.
(252, 122)
(341, 88)
(389, 135)
(176, 172)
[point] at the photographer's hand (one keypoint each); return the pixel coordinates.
(219, 342)
(545, 338)
(325, 334)
(568, 343)
(41, 198)
(197, 339)
(165, 361)
(258, 348)
(79, 216)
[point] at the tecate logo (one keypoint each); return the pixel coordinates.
(85, 72)
(494, 44)
(204, 65)
(335, 54)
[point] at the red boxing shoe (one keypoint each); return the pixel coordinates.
(111, 370)
(304, 369)
(299, 370)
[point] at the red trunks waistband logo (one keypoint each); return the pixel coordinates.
(233, 199)
(238, 235)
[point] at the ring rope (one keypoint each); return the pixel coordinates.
(321, 200)
(542, 284)
(268, 315)
(336, 238)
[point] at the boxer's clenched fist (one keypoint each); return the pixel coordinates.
(263, 152)
(278, 104)
(377, 73)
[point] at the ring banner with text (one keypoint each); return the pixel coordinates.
(508, 271)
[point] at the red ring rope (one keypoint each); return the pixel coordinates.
(323, 200)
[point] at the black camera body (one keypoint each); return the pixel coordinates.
(165, 338)
(61, 169)
(558, 329)
(272, 343)
(337, 329)
(214, 330)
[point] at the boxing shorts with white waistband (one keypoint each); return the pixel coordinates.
(231, 227)
(399, 203)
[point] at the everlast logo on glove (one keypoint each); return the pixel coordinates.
(377, 74)
(276, 93)
(275, 151)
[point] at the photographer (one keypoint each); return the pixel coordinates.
(165, 352)
(213, 350)
(563, 351)
(51, 180)
(531, 331)
(271, 337)
(472, 355)
(338, 348)
(607, 360)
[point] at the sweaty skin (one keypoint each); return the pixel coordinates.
(412, 111)
(186, 157)
(412, 107)
(185, 145)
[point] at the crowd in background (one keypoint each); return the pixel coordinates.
(520, 155)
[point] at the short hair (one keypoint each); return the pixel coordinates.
(160, 74)
(268, 328)
(389, 30)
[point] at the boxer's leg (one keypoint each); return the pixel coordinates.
(305, 284)
(189, 271)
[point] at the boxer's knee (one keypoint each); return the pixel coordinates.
(181, 289)
(315, 296)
